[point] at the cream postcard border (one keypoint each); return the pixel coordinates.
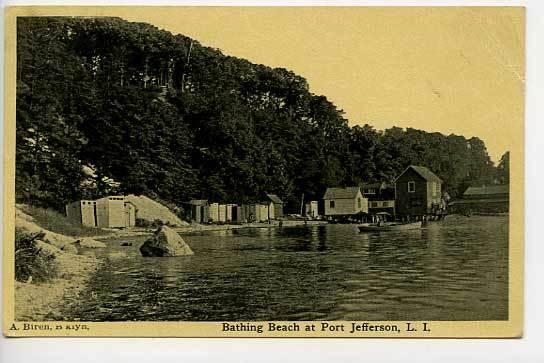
(452, 329)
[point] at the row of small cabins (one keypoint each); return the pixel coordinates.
(416, 192)
(270, 208)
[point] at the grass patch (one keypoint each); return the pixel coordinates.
(29, 261)
(56, 222)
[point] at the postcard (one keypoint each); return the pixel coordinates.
(350, 172)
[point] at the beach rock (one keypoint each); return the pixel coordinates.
(165, 243)
(90, 243)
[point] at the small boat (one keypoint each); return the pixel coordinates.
(386, 227)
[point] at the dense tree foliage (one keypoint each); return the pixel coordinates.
(503, 169)
(152, 113)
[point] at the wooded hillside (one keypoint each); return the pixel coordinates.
(107, 106)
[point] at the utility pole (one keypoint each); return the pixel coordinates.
(301, 203)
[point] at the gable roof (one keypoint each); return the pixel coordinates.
(487, 190)
(274, 198)
(198, 201)
(423, 172)
(341, 193)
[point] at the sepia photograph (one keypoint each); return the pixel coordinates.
(305, 171)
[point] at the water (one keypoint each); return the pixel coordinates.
(453, 270)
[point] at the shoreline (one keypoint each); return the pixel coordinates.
(195, 227)
(44, 300)
(35, 301)
(47, 300)
(39, 301)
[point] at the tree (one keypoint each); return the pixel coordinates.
(503, 169)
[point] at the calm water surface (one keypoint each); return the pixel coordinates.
(453, 270)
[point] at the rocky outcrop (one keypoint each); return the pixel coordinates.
(64, 243)
(165, 243)
(26, 223)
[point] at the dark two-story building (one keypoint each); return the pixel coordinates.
(381, 199)
(418, 192)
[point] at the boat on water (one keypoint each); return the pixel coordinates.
(386, 227)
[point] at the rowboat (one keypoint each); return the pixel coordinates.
(389, 227)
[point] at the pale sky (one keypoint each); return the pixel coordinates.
(451, 70)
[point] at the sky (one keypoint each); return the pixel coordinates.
(449, 70)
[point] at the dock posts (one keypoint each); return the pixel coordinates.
(424, 221)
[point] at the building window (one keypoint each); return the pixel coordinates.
(370, 191)
(331, 204)
(359, 203)
(411, 187)
(374, 204)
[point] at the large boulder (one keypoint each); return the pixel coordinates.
(165, 243)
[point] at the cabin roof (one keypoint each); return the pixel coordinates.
(274, 198)
(341, 193)
(372, 185)
(423, 172)
(198, 201)
(487, 190)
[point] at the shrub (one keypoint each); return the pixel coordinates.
(29, 261)
(157, 223)
(147, 224)
(143, 223)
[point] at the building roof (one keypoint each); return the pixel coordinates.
(487, 190)
(341, 193)
(477, 201)
(423, 172)
(274, 198)
(198, 201)
(373, 185)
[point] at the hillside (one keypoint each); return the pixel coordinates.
(162, 115)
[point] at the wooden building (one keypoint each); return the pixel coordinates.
(483, 199)
(311, 209)
(381, 199)
(82, 212)
(213, 212)
(110, 212)
(344, 201)
(222, 213)
(237, 214)
(130, 214)
(198, 211)
(418, 192)
(374, 189)
(275, 205)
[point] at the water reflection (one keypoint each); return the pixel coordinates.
(445, 272)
